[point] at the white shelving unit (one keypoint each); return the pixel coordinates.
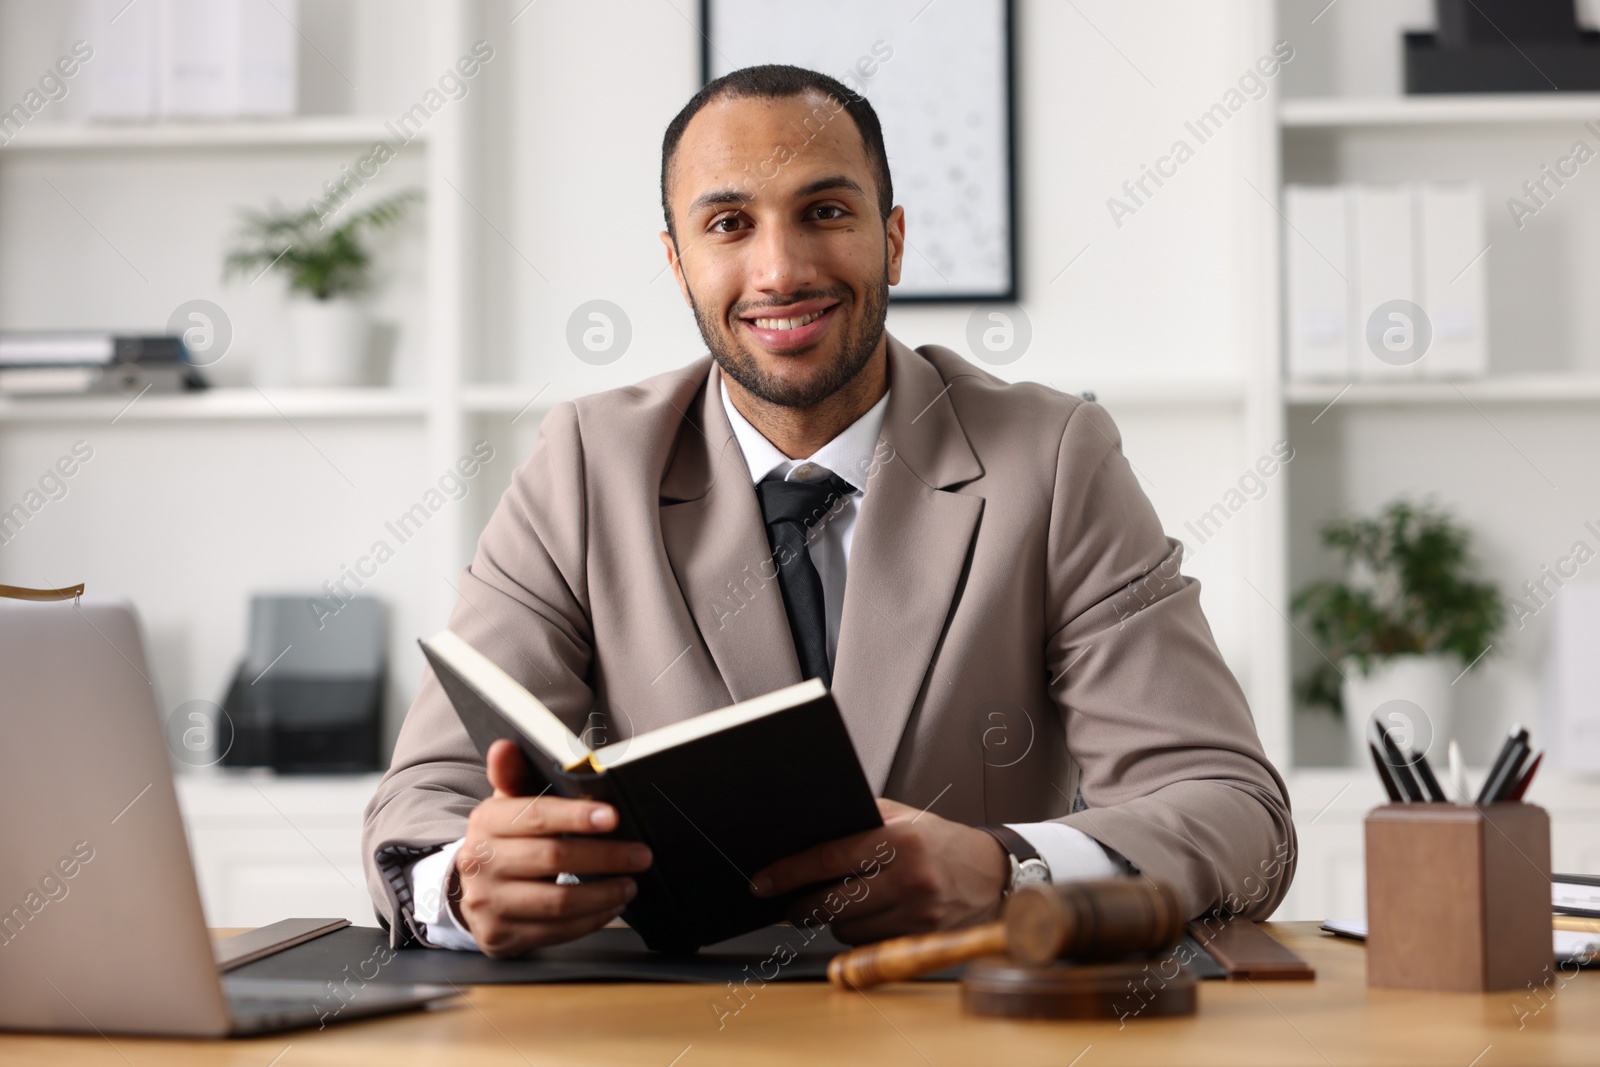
(507, 399)
(1503, 389)
(432, 406)
(322, 131)
(291, 482)
(1158, 393)
(213, 405)
(1499, 451)
(1473, 441)
(1439, 110)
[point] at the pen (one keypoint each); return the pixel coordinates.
(1430, 784)
(1522, 786)
(1383, 774)
(1517, 733)
(1402, 770)
(1458, 774)
(1502, 782)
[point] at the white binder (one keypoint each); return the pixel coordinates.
(1319, 283)
(120, 80)
(1385, 273)
(1455, 272)
(224, 58)
(1572, 698)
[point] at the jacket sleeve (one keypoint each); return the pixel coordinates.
(1171, 768)
(523, 603)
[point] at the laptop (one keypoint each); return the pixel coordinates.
(101, 928)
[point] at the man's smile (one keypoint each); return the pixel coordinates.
(791, 327)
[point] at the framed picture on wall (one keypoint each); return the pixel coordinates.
(939, 77)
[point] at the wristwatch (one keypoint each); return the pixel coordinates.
(1027, 866)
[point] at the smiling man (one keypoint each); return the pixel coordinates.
(1028, 679)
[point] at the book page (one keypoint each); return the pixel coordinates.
(647, 744)
(513, 701)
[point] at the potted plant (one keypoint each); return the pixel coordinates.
(1406, 620)
(326, 268)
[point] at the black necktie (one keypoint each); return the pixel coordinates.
(790, 509)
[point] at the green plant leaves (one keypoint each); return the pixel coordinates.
(319, 261)
(1408, 590)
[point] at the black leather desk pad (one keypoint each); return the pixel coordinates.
(616, 954)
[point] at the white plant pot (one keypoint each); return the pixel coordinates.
(1412, 698)
(331, 338)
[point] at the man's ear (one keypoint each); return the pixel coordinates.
(675, 261)
(895, 230)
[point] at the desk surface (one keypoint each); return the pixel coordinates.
(1334, 1020)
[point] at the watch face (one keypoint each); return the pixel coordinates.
(1030, 871)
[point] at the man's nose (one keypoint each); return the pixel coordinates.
(781, 261)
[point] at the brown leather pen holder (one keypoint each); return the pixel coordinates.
(1458, 897)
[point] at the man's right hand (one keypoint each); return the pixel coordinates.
(505, 871)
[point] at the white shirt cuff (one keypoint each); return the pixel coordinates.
(430, 879)
(1073, 855)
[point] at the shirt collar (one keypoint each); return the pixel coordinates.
(849, 454)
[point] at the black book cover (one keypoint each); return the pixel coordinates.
(714, 808)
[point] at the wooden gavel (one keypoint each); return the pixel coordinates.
(1102, 920)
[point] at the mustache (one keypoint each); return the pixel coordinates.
(739, 311)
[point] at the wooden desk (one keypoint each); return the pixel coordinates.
(1334, 1020)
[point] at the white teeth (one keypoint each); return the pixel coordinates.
(787, 324)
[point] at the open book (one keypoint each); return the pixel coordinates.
(717, 796)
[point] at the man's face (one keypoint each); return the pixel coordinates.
(780, 250)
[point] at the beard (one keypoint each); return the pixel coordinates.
(857, 343)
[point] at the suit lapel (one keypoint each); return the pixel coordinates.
(907, 558)
(716, 541)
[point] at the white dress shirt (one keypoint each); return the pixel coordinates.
(1071, 854)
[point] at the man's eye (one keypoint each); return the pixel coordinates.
(725, 224)
(831, 207)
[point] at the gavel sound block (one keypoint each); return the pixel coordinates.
(1076, 951)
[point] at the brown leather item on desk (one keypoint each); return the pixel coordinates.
(1247, 951)
(234, 952)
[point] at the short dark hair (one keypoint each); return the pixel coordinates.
(775, 81)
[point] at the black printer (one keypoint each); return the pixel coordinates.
(308, 698)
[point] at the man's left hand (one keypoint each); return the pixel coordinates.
(918, 873)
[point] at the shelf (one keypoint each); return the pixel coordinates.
(1508, 389)
(1159, 392)
(1438, 110)
(502, 399)
(220, 404)
(335, 130)
(512, 400)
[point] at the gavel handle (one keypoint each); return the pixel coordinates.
(902, 958)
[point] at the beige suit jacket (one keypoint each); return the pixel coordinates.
(1015, 626)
